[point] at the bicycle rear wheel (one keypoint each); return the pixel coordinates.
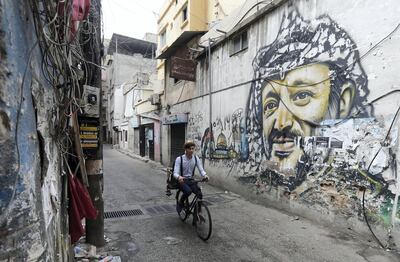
(203, 222)
(183, 215)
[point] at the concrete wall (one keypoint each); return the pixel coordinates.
(165, 145)
(118, 108)
(218, 9)
(32, 212)
(306, 133)
(120, 77)
(157, 143)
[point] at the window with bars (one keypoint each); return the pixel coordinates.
(239, 43)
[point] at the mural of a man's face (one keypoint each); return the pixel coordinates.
(291, 104)
(309, 73)
(287, 104)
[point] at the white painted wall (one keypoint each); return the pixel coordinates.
(367, 23)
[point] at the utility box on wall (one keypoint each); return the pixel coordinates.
(89, 134)
(155, 99)
(91, 101)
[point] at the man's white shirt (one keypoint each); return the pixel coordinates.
(187, 167)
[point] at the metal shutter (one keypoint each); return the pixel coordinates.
(177, 141)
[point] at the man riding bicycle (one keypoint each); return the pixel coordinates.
(189, 162)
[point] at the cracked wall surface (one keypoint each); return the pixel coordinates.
(317, 126)
(31, 227)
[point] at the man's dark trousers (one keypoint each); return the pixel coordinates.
(189, 188)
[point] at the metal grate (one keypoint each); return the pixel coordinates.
(123, 213)
(163, 209)
(214, 199)
(160, 209)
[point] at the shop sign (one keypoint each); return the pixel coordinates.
(184, 69)
(175, 119)
(145, 121)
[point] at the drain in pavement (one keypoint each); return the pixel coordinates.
(159, 209)
(123, 213)
(163, 209)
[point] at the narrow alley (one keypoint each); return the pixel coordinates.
(291, 107)
(242, 231)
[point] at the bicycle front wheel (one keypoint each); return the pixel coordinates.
(203, 222)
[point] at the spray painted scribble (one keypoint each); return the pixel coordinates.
(194, 132)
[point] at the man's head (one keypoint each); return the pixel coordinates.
(189, 147)
(311, 72)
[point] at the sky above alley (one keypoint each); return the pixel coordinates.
(130, 17)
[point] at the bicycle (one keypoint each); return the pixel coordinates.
(200, 212)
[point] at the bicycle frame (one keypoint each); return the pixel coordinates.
(193, 209)
(193, 204)
(194, 200)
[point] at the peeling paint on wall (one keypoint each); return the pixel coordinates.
(30, 195)
(311, 126)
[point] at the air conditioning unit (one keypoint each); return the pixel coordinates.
(155, 99)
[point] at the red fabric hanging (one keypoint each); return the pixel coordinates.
(80, 9)
(80, 207)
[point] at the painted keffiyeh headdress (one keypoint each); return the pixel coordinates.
(298, 43)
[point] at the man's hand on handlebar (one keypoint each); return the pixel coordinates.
(182, 179)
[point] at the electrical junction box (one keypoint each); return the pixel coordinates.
(91, 101)
(155, 99)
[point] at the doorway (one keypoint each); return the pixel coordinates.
(177, 141)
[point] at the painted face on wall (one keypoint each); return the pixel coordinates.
(289, 105)
(299, 81)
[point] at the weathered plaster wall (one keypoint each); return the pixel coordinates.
(307, 130)
(31, 210)
(165, 145)
(121, 73)
(157, 144)
(218, 9)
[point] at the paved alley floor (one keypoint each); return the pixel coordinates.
(242, 231)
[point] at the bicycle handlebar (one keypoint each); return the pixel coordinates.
(195, 180)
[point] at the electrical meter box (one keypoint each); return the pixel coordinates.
(91, 101)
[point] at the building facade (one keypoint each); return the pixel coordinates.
(134, 95)
(295, 103)
(181, 24)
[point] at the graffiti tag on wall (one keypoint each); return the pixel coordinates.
(194, 130)
(307, 127)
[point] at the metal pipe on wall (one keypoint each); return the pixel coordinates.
(210, 93)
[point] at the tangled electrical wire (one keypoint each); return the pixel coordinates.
(70, 57)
